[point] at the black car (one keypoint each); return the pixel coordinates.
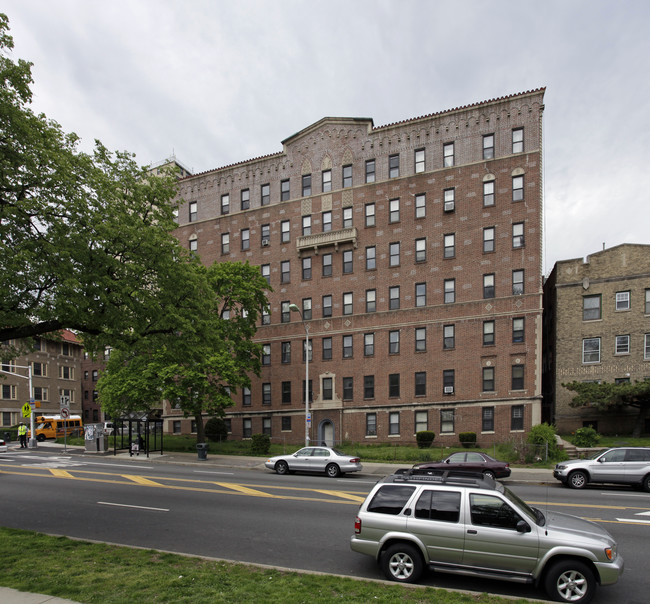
(472, 461)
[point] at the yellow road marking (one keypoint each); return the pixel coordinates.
(246, 491)
(343, 494)
(142, 480)
(61, 473)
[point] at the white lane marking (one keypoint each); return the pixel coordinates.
(138, 507)
(206, 472)
(116, 465)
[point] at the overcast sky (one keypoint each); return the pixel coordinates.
(218, 82)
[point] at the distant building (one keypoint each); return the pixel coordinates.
(414, 253)
(55, 367)
(597, 328)
(170, 162)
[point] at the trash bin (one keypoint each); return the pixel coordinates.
(202, 450)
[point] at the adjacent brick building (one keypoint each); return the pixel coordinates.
(414, 253)
(597, 328)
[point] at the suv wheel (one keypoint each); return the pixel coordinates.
(570, 581)
(402, 562)
(577, 480)
(645, 483)
(332, 470)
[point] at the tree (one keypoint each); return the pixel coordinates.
(200, 367)
(86, 240)
(611, 398)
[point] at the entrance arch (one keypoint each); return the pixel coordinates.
(326, 433)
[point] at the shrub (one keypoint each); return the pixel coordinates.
(544, 437)
(216, 429)
(425, 439)
(586, 437)
(467, 439)
(260, 444)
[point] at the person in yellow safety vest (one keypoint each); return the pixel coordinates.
(22, 433)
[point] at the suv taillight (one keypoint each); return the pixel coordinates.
(357, 525)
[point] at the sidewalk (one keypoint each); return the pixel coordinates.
(13, 596)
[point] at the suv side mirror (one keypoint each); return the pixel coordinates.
(523, 527)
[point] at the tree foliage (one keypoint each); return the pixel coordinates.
(85, 239)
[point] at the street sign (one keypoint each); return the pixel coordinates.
(65, 413)
(27, 410)
(64, 401)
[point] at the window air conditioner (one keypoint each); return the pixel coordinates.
(265, 242)
(448, 390)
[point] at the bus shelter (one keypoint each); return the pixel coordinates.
(138, 435)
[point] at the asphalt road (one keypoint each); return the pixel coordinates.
(253, 515)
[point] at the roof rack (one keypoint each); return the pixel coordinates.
(457, 477)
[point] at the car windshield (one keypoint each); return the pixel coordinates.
(524, 507)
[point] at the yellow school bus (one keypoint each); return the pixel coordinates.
(52, 426)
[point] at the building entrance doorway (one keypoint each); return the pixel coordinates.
(326, 433)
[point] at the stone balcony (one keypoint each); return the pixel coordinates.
(307, 243)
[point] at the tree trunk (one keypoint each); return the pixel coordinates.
(200, 431)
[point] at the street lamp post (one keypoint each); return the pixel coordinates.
(307, 416)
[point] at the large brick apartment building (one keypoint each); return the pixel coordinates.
(414, 253)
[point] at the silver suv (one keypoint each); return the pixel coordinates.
(475, 526)
(624, 465)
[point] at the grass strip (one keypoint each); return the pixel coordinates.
(110, 574)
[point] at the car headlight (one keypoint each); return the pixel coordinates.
(560, 467)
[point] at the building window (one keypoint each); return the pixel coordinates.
(591, 350)
(393, 342)
(623, 300)
(371, 424)
(286, 397)
(370, 214)
(266, 272)
(623, 344)
(347, 218)
(347, 176)
(327, 222)
(370, 170)
(368, 344)
(265, 194)
(284, 190)
(517, 417)
(306, 309)
(286, 231)
(518, 329)
(591, 308)
(518, 235)
(448, 155)
(517, 377)
(420, 383)
(393, 297)
(327, 181)
(393, 386)
(266, 393)
(394, 211)
(488, 146)
(420, 205)
(194, 243)
(327, 389)
(421, 250)
(193, 211)
(285, 271)
(266, 234)
(420, 294)
(327, 349)
(310, 391)
(419, 161)
(347, 347)
(487, 419)
(327, 306)
(488, 333)
(310, 351)
(488, 286)
(225, 243)
(394, 254)
(393, 423)
(646, 346)
(488, 240)
(421, 421)
(488, 193)
(225, 204)
(306, 225)
(347, 303)
(448, 381)
(348, 388)
(488, 379)
(393, 166)
(9, 392)
(286, 311)
(446, 421)
(371, 258)
(517, 188)
(517, 140)
(371, 300)
(306, 268)
(246, 396)
(327, 265)
(306, 185)
(647, 302)
(245, 199)
(245, 239)
(450, 245)
(347, 262)
(266, 354)
(286, 352)
(517, 282)
(450, 291)
(420, 339)
(247, 428)
(450, 200)
(368, 386)
(448, 337)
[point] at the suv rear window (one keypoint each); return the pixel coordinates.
(637, 455)
(438, 505)
(390, 499)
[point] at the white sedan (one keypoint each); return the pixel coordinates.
(315, 459)
(3, 446)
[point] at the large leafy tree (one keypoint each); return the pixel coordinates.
(85, 239)
(201, 366)
(611, 397)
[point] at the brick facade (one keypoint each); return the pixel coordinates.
(472, 221)
(616, 333)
